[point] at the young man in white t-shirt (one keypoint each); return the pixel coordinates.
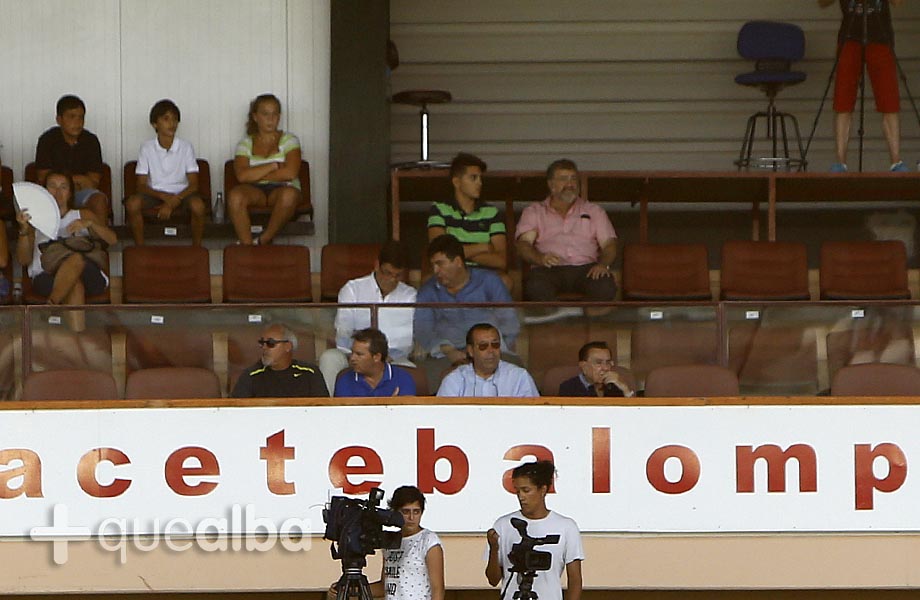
(167, 176)
(532, 482)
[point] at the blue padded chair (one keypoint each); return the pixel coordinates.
(774, 47)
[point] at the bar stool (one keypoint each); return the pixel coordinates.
(774, 47)
(422, 98)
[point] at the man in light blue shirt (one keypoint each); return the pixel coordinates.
(487, 374)
(441, 332)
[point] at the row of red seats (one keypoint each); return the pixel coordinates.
(770, 271)
(773, 271)
(130, 186)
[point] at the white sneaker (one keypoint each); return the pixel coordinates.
(562, 313)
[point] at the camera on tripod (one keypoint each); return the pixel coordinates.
(356, 527)
(523, 556)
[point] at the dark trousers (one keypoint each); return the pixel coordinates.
(544, 284)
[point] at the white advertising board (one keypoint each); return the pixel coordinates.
(620, 469)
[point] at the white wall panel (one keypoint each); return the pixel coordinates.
(53, 47)
(624, 84)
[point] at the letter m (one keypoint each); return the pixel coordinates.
(746, 456)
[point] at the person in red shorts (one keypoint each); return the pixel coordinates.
(881, 68)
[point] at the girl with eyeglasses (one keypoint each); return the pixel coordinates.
(415, 570)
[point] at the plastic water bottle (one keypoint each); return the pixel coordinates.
(219, 208)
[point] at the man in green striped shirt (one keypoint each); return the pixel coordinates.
(480, 227)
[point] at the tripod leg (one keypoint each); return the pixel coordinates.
(910, 96)
(827, 89)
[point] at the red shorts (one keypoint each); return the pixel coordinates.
(882, 72)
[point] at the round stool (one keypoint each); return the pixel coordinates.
(422, 98)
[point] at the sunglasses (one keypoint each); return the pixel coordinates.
(485, 345)
(270, 342)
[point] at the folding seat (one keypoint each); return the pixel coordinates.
(556, 375)
(69, 384)
(154, 346)
(261, 215)
(30, 173)
(691, 380)
(9, 347)
(764, 271)
(864, 271)
(30, 296)
(172, 383)
(773, 359)
(341, 263)
(163, 274)
(7, 209)
(272, 273)
(150, 214)
(59, 348)
(655, 272)
(876, 379)
(870, 340)
(243, 349)
(667, 343)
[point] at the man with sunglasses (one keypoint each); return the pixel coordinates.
(487, 374)
(278, 375)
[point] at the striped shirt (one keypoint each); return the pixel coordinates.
(287, 143)
(478, 227)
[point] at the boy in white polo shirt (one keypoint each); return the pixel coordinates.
(167, 176)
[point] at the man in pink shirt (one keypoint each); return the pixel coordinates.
(569, 242)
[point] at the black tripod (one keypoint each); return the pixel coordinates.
(525, 587)
(862, 9)
(353, 583)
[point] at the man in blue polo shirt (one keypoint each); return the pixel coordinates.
(370, 373)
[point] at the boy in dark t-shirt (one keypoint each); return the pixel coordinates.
(69, 148)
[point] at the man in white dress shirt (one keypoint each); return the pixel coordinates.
(383, 286)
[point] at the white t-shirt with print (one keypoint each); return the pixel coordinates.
(405, 572)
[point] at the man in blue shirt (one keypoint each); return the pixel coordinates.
(370, 373)
(487, 374)
(441, 332)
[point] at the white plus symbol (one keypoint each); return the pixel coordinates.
(60, 533)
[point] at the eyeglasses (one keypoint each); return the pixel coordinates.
(496, 345)
(270, 342)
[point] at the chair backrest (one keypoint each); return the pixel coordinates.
(764, 271)
(166, 274)
(666, 343)
(306, 202)
(666, 272)
(764, 40)
(876, 379)
(204, 180)
(30, 173)
(774, 360)
(172, 382)
(69, 384)
(151, 346)
(871, 339)
(864, 270)
(272, 273)
(7, 210)
(691, 380)
(343, 262)
(420, 377)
